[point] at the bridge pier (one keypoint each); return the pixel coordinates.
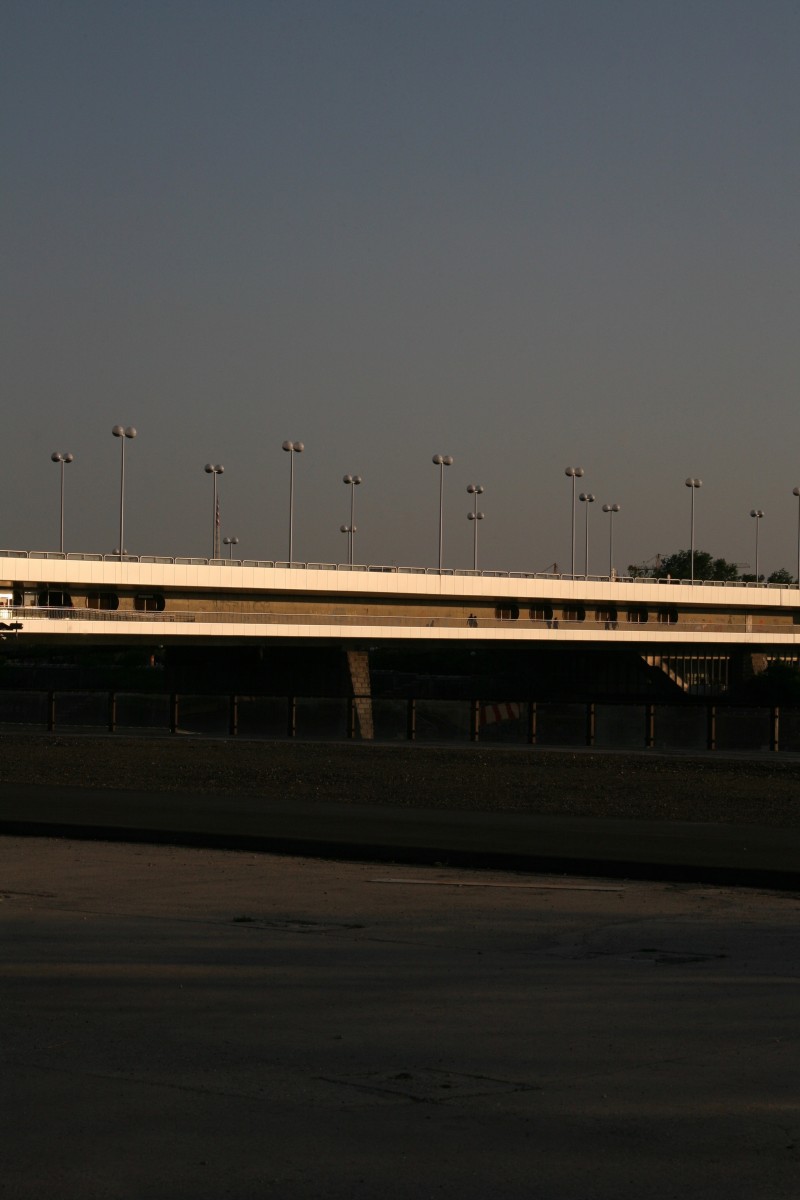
(358, 666)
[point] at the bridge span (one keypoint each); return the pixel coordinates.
(50, 598)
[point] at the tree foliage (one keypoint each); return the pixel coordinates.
(679, 566)
(781, 576)
(706, 567)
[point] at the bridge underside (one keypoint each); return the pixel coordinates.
(478, 670)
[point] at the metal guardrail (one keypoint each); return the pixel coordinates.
(43, 614)
(269, 564)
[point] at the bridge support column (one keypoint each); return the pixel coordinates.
(51, 712)
(291, 716)
(358, 666)
(173, 712)
(474, 720)
(775, 728)
(112, 712)
(233, 716)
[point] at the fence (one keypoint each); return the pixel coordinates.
(698, 726)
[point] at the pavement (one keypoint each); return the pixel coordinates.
(195, 1024)
(745, 855)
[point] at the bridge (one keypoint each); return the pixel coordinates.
(50, 597)
(503, 641)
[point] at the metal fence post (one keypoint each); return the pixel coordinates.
(590, 723)
(474, 720)
(711, 727)
(650, 726)
(532, 723)
(411, 720)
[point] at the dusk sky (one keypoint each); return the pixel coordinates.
(527, 234)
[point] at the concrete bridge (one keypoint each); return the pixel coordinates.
(47, 597)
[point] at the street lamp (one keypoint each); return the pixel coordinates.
(291, 449)
(796, 492)
(63, 459)
(349, 530)
(441, 461)
(694, 484)
(587, 498)
(123, 434)
(352, 482)
(573, 473)
(611, 509)
(475, 489)
(230, 542)
(213, 469)
(758, 513)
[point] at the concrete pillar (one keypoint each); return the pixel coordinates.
(358, 666)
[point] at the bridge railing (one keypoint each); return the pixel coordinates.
(277, 565)
(42, 615)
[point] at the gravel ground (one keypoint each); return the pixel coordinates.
(739, 790)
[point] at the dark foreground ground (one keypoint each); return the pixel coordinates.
(194, 1023)
(186, 1024)
(762, 790)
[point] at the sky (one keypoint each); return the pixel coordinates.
(530, 234)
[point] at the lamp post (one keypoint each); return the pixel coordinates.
(230, 542)
(352, 482)
(475, 489)
(796, 492)
(587, 498)
(441, 461)
(291, 449)
(214, 469)
(757, 513)
(573, 473)
(694, 484)
(63, 459)
(123, 434)
(349, 530)
(611, 509)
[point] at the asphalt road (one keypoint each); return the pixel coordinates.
(191, 1024)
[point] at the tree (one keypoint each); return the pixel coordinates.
(679, 566)
(779, 684)
(780, 576)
